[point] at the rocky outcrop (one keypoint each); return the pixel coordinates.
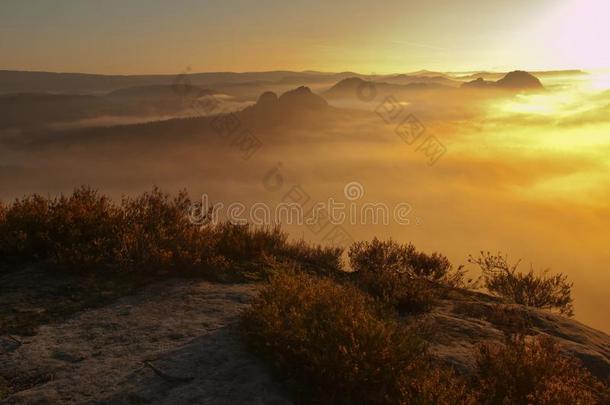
(517, 80)
(177, 342)
(171, 343)
(301, 98)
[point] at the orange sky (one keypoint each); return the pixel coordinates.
(154, 36)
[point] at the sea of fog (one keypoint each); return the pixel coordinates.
(527, 175)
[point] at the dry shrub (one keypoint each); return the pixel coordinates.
(254, 251)
(156, 235)
(409, 295)
(247, 243)
(334, 344)
(323, 260)
(86, 232)
(244, 242)
(149, 234)
(389, 256)
(24, 231)
(545, 291)
(82, 231)
(69, 232)
(534, 371)
(400, 275)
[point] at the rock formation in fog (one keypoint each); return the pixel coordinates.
(299, 99)
(517, 80)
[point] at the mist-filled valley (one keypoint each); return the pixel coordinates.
(474, 164)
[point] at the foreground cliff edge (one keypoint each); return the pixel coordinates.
(130, 301)
(176, 342)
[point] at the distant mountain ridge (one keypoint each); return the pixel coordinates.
(353, 86)
(517, 80)
(271, 109)
(157, 91)
(12, 81)
(38, 109)
(499, 75)
(299, 106)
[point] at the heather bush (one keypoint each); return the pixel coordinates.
(24, 231)
(322, 260)
(335, 336)
(158, 237)
(245, 242)
(544, 291)
(149, 234)
(69, 232)
(83, 231)
(334, 344)
(400, 275)
(408, 294)
(533, 371)
(248, 243)
(389, 256)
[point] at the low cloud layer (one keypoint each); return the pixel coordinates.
(527, 175)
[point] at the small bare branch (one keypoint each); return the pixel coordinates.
(166, 376)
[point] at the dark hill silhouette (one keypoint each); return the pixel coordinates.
(538, 73)
(50, 82)
(294, 101)
(347, 86)
(428, 73)
(425, 78)
(267, 100)
(356, 87)
(27, 110)
(298, 107)
(316, 77)
(39, 109)
(302, 97)
(479, 83)
(32, 109)
(157, 91)
(517, 80)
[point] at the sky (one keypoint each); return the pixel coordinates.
(154, 36)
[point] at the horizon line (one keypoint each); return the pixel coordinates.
(311, 71)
